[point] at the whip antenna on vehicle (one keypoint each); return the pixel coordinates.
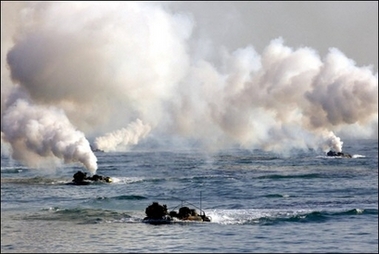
(200, 203)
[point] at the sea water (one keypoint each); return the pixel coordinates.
(258, 201)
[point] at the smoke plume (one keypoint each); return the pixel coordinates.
(119, 140)
(36, 132)
(89, 70)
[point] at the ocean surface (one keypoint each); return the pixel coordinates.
(258, 202)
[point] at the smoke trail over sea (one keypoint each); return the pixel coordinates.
(120, 139)
(115, 73)
(37, 132)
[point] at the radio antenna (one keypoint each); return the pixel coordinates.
(200, 204)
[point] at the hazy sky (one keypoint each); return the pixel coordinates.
(276, 76)
(350, 26)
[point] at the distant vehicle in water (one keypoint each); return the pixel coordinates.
(158, 214)
(338, 154)
(96, 149)
(81, 178)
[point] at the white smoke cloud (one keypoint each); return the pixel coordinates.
(103, 65)
(37, 132)
(119, 140)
